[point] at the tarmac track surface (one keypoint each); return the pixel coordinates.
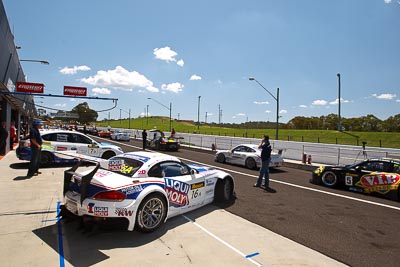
(356, 229)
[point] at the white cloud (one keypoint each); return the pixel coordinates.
(398, 100)
(180, 62)
(165, 54)
(268, 111)
(195, 77)
(101, 91)
(261, 103)
(387, 1)
(384, 96)
(336, 101)
(241, 114)
(69, 71)
(302, 106)
(283, 111)
(172, 87)
(120, 78)
(319, 102)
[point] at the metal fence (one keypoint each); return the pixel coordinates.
(320, 153)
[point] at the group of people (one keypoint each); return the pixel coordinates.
(4, 135)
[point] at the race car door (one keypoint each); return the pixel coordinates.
(185, 188)
(238, 155)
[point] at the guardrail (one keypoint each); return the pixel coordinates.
(330, 154)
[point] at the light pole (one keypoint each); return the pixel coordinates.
(129, 113)
(147, 116)
(44, 62)
(198, 114)
(277, 105)
(339, 123)
(170, 111)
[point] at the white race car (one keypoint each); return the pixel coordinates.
(142, 189)
(247, 155)
(120, 135)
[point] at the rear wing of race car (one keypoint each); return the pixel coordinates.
(85, 179)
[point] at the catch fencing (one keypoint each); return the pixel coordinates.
(330, 154)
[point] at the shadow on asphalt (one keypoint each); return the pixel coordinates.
(82, 247)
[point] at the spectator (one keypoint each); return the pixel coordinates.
(144, 138)
(3, 138)
(13, 135)
(36, 147)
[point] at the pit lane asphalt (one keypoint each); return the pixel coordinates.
(356, 229)
(210, 236)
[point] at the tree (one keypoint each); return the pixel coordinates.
(85, 113)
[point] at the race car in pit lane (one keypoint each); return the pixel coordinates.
(247, 155)
(159, 141)
(62, 140)
(372, 176)
(141, 189)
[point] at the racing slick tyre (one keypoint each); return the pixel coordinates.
(221, 158)
(151, 213)
(46, 158)
(329, 179)
(224, 190)
(107, 155)
(251, 163)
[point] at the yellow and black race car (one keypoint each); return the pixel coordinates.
(371, 176)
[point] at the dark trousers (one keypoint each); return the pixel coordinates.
(264, 172)
(144, 144)
(35, 161)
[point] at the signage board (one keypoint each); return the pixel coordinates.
(25, 87)
(75, 91)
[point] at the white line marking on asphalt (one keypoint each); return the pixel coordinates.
(294, 185)
(222, 241)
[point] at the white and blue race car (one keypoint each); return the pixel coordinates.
(62, 140)
(141, 189)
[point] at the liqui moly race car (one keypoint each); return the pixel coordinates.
(141, 189)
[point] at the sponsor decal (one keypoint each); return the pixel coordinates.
(379, 182)
(123, 212)
(177, 192)
(197, 185)
(319, 170)
(97, 211)
(115, 164)
(210, 182)
(102, 173)
(62, 148)
(132, 189)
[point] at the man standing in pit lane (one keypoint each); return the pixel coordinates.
(144, 137)
(36, 147)
(266, 150)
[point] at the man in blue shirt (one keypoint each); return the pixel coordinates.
(265, 160)
(36, 147)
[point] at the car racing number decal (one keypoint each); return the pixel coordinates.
(93, 151)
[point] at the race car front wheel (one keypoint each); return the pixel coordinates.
(329, 179)
(107, 155)
(151, 213)
(224, 190)
(221, 158)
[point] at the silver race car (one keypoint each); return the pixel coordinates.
(247, 155)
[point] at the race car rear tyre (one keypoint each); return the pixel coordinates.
(46, 158)
(221, 158)
(107, 155)
(251, 163)
(151, 213)
(329, 179)
(224, 190)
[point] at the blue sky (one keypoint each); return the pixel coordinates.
(175, 51)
